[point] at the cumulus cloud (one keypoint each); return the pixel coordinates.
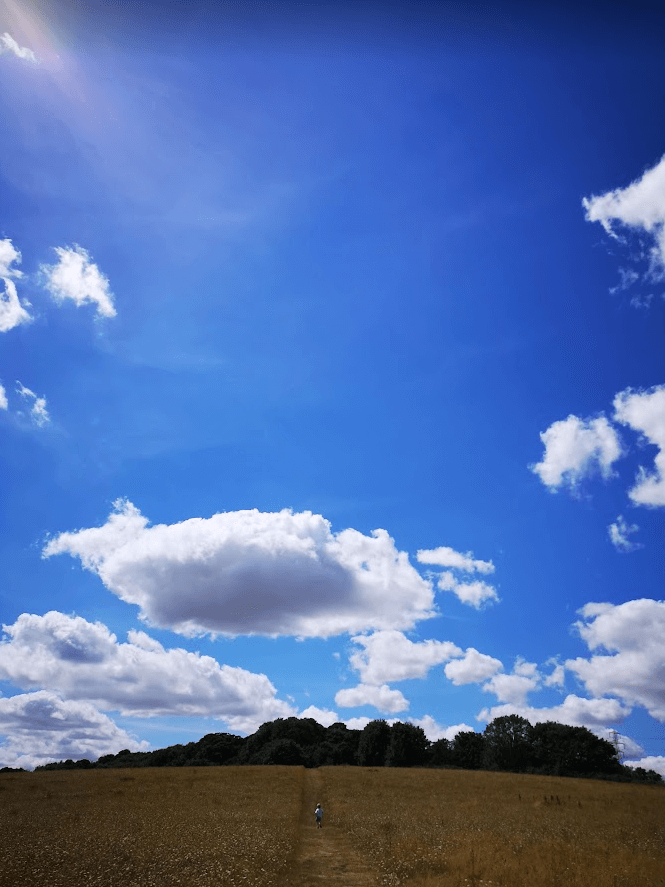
(8, 44)
(390, 656)
(38, 411)
(251, 572)
(619, 533)
(323, 716)
(574, 710)
(382, 698)
(75, 276)
(9, 256)
(435, 731)
(644, 411)
(83, 661)
(41, 727)
(639, 208)
(633, 666)
(472, 668)
(4, 403)
(651, 762)
(474, 593)
(574, 449)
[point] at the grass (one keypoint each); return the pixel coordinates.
(192, 827)
(453, 828)
(238, 827)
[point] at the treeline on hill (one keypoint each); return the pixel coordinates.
(508, 743)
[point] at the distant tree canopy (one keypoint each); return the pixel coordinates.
(508, 743)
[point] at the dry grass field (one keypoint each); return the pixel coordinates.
(192, 827)
(451, 828)
(244, 826)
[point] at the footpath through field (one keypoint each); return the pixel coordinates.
(324, 856)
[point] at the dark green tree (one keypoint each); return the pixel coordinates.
(469, 750)
(508, 743)
(408, 746)
(441, 753)
(373, 744)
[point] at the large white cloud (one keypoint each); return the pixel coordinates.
(75, 276)
(382, 698)
(640, 207)
(651, 762)
(633, 666)
(575, 448)
(472, 668)
(390, 656)
(8, 44)
(251, 572)
(84, 661)
(41, 727)
(644, 411)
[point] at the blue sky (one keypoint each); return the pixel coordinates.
(332, 370)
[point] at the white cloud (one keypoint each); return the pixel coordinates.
(323, 716)
(472, 668)
(651, 762)
(4, 403)
(435, 731)
(512, 688)
(12, 312)
(382, 698)
(38, 409)
(76, 277)
(574, 710)
(251, 572)
(8, 44)
(41, 727)
(634, 667)
(474, 593)
(390, 656)
(640, 207)
(83, 661)
(557, 678)
(644, 411)
(574, 449)
(448, 557)
(619, 532)
(9, 256)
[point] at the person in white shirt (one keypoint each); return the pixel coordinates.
(319, 816)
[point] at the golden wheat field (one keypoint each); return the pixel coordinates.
(192, 827)
(198, 827)
(454, 827)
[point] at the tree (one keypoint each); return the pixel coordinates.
(468, 750)
(560, 749)
(408, 746)
(507, 743)
(280, 751)
(373, 744)
(441, 753)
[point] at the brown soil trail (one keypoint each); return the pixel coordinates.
(324, 857)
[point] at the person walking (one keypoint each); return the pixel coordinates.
(319, 816)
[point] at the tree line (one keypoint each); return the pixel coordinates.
(508, 743)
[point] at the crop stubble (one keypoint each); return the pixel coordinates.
(455, 828)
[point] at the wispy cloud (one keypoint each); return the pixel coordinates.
(574, 449)
(619, 533)
(8, 44)
(38, 411)
(12, 312)
(75, 276)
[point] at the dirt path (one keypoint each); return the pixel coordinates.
(324, 856)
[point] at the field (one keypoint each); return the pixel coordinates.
(198, 827)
